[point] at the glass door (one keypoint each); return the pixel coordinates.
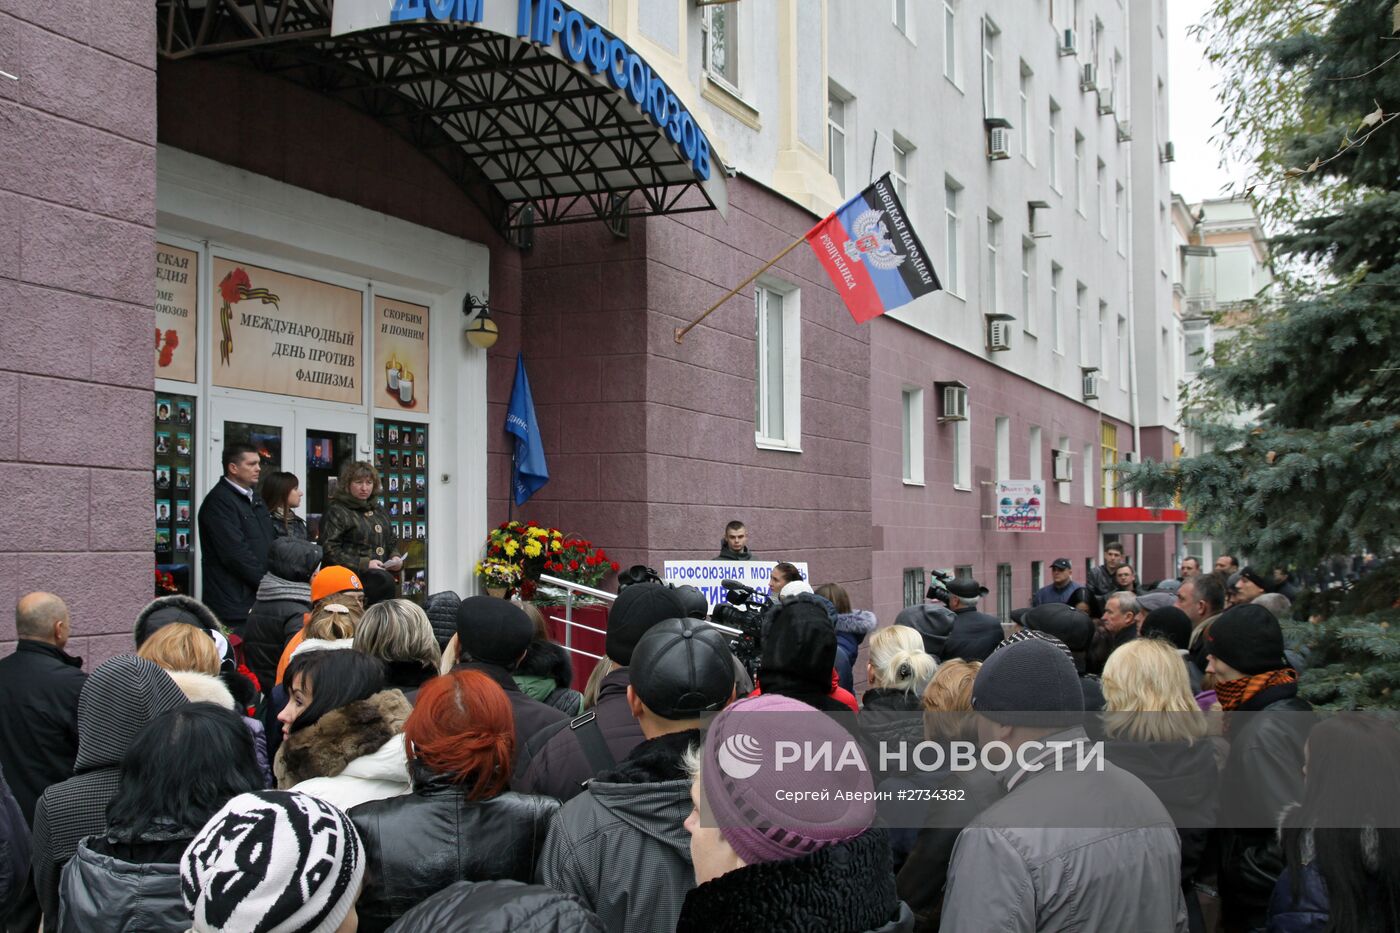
(326, 442)
(270, 429)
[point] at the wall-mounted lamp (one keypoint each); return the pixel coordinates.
(481, 330)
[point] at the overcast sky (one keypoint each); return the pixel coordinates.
(1196, 174)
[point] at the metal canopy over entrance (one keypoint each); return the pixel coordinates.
(531, 136)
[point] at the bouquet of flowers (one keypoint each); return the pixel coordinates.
(579, 562)
(534, 549)
(498, 574)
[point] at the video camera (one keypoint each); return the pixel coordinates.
(938, 589)
(743, 609)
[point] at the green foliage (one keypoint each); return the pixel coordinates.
(1300, 412)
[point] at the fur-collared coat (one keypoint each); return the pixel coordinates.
(350, 755)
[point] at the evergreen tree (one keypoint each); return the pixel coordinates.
(1314, 470)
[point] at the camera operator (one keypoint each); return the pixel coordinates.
(932, 619)
(975, 634)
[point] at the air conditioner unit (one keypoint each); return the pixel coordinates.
(1067, 43)
(998, 335)
(954, 403)
(1091, 384)
(1088, 81)
(1169, 152)
(1125, 131)
(998, 143)
(1105, 102)
(1061, 466)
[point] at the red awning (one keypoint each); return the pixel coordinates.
(1140, 521)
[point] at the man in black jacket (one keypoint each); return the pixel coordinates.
(493, 636)
(975, 634)
(564, 759)
(736, 542)
(236, 531)
(39, 687)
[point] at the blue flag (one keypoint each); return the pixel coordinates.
(528, 470)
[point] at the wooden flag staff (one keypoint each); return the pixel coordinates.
(682, 331)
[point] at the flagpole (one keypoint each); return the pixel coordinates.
(682, 331)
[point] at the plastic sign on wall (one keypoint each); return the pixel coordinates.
(400, 355)
(177, 298)
(705, 575)
(1020, 505)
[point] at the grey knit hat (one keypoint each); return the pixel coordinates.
(1029, 683)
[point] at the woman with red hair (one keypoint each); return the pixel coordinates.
(460, 823)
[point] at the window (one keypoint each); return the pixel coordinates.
(1036, 454)
(718, 45)
(913, 435)
(950, 42)
(1120, 220)
(1004, 592)
(1081, 295)
(1055, 274)
(900, 14)
(1003, 435)
(900, 174)
(913, 586)
(1123, 374)
(1079, 173)
(1028, 284)
(1064, 488)
(1101, 198)
(1096, 45)
(1116, 84)
(1089, 475)
(992, 303)
(962, 454)
(953, 232)
(1025, 129)
(989, 68)
(1108, 456)
(1103, 339)
(835, 137)
(778, 351)
(1037, 575)
(1196, 344)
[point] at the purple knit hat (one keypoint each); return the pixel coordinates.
(760, 809)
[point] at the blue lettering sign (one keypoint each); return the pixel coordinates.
(443, 11)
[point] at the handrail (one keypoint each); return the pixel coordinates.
(571, 586)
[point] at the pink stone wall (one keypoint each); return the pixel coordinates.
(938, 526)
(77, 210)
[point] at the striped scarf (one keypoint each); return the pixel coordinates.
(1233, 694)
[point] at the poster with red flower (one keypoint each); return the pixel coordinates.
(177, 298)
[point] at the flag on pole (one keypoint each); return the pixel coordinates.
(528, 470)
(872, 254)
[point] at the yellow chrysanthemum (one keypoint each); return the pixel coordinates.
(533, 549)
(511, 547)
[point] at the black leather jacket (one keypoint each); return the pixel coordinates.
(420, 843)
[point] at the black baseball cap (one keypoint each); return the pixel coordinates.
(966, 588)
(1062, 563)
(682, 668)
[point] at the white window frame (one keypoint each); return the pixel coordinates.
(1103, 341)
(1056, 329)
(790, 437)
(1053, 148)
(950, 42)
(992, 298)
(1035, 453)
(1081, 294)
(1028, 290)
(1089, 474)
(730, 15)
(1065, 490)
(836, 137)
(902, 154)
(899, 16)
(912, 435)
(1079, 174)
(991, 104)
(1101, 179)
(1003, 448)
(952, 232)
(1026, 130)
(1192, 363)
(1120, 217)
(962, 453)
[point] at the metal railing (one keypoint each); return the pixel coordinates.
(571, 591)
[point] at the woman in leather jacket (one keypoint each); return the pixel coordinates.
(460, 823)
(356, 531)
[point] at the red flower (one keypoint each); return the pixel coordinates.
(531, 523)
(615, 567)
(232, 283)
(573, 565)
(504, 525)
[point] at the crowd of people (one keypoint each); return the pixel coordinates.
(306, 752)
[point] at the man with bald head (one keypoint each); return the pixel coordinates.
(39, 687)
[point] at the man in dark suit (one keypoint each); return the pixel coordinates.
(235, 532)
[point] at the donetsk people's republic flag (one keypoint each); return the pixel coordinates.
(872, 254)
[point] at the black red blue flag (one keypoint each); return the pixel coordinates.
(870, 250)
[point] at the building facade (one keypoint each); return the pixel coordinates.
(387, 177)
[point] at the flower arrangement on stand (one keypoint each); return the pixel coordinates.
(498, 577)
(535, 549)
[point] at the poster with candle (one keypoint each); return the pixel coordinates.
(400, 354)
